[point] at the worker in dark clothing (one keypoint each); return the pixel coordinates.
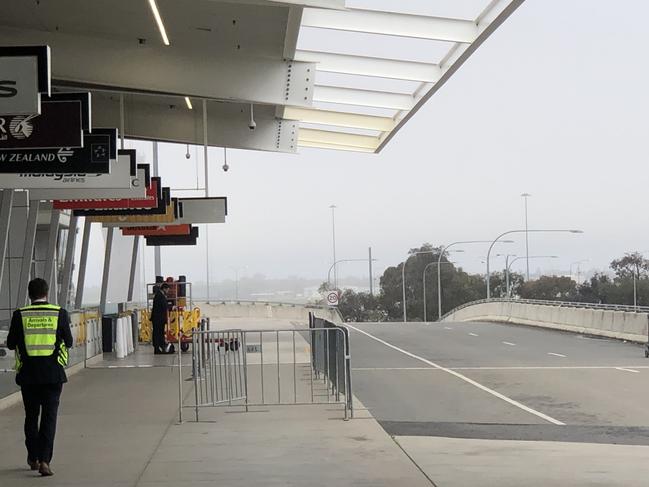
(40, 335)
(159, 318)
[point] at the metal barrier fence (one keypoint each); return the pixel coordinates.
(271, 367)
(545, 302)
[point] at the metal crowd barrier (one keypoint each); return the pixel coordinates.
(270, 367)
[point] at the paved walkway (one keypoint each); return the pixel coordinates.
(119, 427)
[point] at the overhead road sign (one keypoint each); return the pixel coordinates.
(60, 124)
(163, 198)
(151, 200)
(94, 157)
(174, 240)
(24, 76)
(158, 231)
(194, 211)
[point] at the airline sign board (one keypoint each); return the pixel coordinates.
(61, 123)
(123, 171)
(174, 240)
(194, 211)
(159, 231)
(94, 157)
(172, 212)
(164, 200)
(151, 200)
(24, 76)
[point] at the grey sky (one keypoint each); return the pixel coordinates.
(553, 104)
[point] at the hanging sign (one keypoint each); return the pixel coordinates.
(163, 200)
(194, 211)
(174, 240)
(172, 212)
(24, 76)
(159, 231)
(151, 200)
(94, 157)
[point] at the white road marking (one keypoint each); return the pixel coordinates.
(557, 354)
(473, 334)
(465, 379)
(392, 368)
(557, 367)
(448, 328)
(628, 370)
(510, 344)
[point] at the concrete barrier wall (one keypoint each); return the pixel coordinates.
(614, 324)
(266, 311)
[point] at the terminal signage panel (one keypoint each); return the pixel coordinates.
(159, 231)
(174, 240)
(94, 157)
(58, 125)
(78, 190)
(24, 76)
(172, 212)
(194, 211)
(160, 209)
(151, 200)
(122, 176)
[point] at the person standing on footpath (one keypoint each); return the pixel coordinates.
(159, 318)
(40, 335)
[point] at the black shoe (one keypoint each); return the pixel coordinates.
(33, 464)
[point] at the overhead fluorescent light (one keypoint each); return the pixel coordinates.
(158, 19)
(189, 103)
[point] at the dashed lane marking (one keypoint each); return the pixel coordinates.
(465, 379)
(510, 344)
(557, 354)
(448, 328)
(627, 370)
(474, 334)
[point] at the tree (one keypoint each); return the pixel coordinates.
(558, 288)
(630, 264)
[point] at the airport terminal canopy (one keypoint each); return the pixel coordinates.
(332, 74)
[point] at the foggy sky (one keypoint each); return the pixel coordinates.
(553, 104)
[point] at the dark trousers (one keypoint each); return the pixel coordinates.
(40, 400)
(158, 337)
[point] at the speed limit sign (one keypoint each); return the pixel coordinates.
(332, 298)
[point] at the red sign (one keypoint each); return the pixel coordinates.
(161, 231)
(149, 201)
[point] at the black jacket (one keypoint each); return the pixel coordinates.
(39, 370)
(159, 309)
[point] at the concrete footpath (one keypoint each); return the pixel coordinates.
(119, 427)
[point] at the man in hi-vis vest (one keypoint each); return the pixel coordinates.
(40, 334)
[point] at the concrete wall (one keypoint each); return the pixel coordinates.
(614, 324)
(261, 310)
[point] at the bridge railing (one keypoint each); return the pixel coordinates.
(548, 302)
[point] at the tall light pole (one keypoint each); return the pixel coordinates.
(333, 235)
(509, 266)
(507, 273)
(517, 231)
(577, 263)
(236, 279)
(424, 282)
(439, 274)
(527, 240)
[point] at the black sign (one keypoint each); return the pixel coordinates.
(164, 200)
(93, 158)
(174, 240)
(58, 125)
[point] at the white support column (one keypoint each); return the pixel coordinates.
(156, 250)
(207, 193)
(68, 262)
(28, 253)
(131, 280)
(106, 274)
(49, 274)
(81, 278)
(5, 220)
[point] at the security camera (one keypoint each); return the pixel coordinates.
(252, 125)
(188, 156)
(226, 167)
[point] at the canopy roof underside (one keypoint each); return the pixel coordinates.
(332, 74)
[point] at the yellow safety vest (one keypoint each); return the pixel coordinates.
(40, 322)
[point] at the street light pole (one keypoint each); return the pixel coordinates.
(527, 241)
(333, 238)
(335, 264)
(424, 282)
(439, 274)
(403, 281)
(507, 273)
(509, 233)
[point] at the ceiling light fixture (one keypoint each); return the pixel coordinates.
(189, 103)
(158, 19)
